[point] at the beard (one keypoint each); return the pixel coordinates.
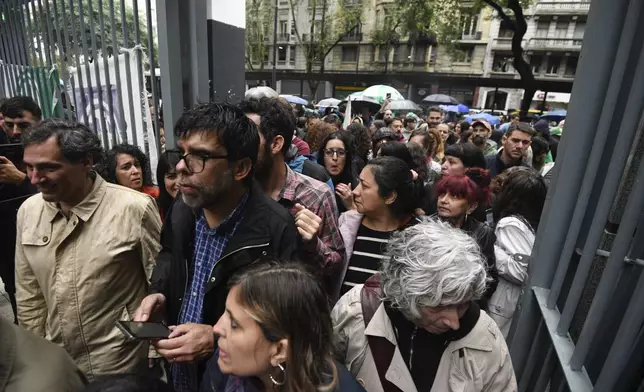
(478, 140)
(208, 195)
(264, 165)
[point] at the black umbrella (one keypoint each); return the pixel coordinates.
(357, 103)
(440, 99)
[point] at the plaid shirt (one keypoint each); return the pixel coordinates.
(209, 245)
(318, 198)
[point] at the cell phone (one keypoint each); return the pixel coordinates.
(388, 95)
(136, 330)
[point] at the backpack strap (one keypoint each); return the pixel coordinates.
(382, 350)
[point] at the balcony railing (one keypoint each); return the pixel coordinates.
(563, 7)
(503, 43)
(352, 37)
(283, 37)
(555, 43)
(472, 37)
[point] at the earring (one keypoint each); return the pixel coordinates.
(279, 365)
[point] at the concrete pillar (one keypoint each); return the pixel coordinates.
(226, 46)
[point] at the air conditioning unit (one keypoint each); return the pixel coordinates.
(479, 35)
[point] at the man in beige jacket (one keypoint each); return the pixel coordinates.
(85, 251)
(416, 325)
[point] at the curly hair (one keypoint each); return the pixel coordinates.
(110, 163)
(75, 140)
(318, 131)
(362, 140)
(432, 264)
(522, 195)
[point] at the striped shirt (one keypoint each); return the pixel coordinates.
(368, 251)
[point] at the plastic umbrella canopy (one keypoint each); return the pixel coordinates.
(358, 101)
(460, 108)
(493, 120)
(440, 99)
(555, 115)
(404, 105)
(379, 93)
(294, 99)
(325, 103)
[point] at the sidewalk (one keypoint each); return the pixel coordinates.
(5, 306)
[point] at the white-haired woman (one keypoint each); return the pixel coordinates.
(416, 325)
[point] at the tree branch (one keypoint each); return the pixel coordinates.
(337, 41)
(500, 11)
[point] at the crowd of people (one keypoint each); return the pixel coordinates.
(283, 253)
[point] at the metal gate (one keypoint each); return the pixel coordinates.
(580, 322)
(89, 60)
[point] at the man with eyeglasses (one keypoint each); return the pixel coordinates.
(310, 202)
(222, 223)
(16, 115)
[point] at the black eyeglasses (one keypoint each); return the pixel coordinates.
(329, 152)
(196, 162)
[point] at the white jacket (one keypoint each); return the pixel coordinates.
(513, 237)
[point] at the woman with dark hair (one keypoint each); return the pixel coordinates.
(386, 198)
(276, 335)
(458, 198)
(376, 125)
(517, 211)
(540, 150)
(128, 166)
(362, 141)
(428, 143)
(460, 157)
(167, 180)
(336, 156)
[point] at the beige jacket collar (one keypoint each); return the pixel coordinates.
(86, 208)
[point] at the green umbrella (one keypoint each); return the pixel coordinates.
(379, 92)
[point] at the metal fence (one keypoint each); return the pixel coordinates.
(89, 60)
(580, 322)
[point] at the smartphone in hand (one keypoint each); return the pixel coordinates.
(136, 330)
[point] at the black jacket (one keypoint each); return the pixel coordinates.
(266, 232)
(485, 238)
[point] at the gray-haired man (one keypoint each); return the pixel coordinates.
(427, 325)
(85, 251)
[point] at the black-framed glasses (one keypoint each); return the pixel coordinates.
(329, 152)
(196, 162)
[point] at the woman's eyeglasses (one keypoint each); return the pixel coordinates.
(330, 152)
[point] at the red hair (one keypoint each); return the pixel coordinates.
(473, 186)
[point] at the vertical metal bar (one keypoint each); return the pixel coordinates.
(13, 51)
(128, 73)
(88, 70)
(168, 22)
(621, 245)
(12, 45)
(97, 69)
(274, 74)
(626, 335)
(74, 48)
(39, 63)
(153, 74)
(605, 22)
(546, 371)
(627, 129)
(22, 52)
(117, 72)
(51, 59)
(33, 87)
(533, 356)
(614, 92)
(106, 70)
(7, 48)
(64, 57)
(139, 70)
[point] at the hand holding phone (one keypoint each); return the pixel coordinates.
(136, 330)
